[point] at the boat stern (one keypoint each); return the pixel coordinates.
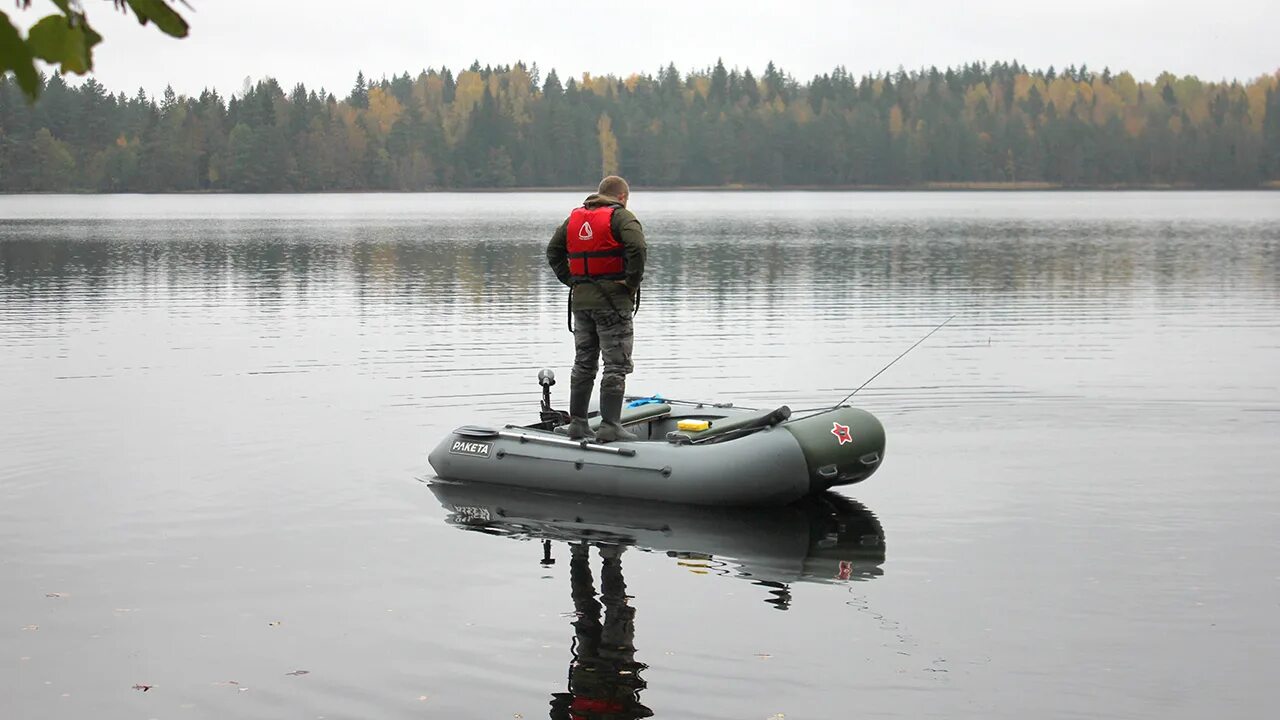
(841, 447)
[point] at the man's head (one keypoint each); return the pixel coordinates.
(615, 187)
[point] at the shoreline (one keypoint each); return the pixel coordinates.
(735, 187)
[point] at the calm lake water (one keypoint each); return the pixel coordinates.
(215, 413)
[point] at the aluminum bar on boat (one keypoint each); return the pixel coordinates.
(510, 434)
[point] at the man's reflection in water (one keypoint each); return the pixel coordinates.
(604, 677)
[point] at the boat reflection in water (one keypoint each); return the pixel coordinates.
(823, 538)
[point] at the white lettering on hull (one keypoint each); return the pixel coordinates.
(470, 447)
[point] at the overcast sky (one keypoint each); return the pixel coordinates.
(324, 42)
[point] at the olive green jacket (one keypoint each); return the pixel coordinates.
(590, 295)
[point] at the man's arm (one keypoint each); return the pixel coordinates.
(558, 253)
(632, 239)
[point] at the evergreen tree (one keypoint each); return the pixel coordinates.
(1271, 134)
(719, 92)
(359, 97)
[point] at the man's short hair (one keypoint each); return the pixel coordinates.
(613, 186)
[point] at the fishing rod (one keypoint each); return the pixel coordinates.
(886, 367)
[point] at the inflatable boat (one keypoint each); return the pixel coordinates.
(701, 453)
(820, 538)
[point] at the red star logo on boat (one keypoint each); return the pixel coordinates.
(841, 432)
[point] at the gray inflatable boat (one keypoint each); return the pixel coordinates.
(701, 453)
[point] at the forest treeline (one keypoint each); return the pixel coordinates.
(510, 126)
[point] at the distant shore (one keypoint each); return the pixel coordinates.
(922, 187)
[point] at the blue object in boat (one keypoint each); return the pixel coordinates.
(651, 400)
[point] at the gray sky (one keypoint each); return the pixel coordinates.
(324, 42)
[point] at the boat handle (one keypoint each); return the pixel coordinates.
(579, 463)
(565, 442)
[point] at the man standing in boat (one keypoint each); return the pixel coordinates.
(599, 252)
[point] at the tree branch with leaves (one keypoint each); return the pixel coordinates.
(66, 39)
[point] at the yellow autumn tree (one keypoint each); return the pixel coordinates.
(1256, 93)
(1127, 88)
(384, 109)
(1106, 102)
(601, 85)
(976, 97)
(702, 86)
(995, 102)
(517, 99)
(1062, 93)
(895, 120)
(467, 94)
(608, 145)
(801, 113)
(428, 92)
(1194, 98)
(1135, 121)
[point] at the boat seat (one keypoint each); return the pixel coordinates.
(735, 426)
(630, 416)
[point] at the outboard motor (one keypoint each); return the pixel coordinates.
(551, 418)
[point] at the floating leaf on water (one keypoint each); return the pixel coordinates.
(299, 672)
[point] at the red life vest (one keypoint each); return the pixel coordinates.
(594, 253)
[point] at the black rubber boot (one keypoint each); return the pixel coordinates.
(579, 401)
(610, 412)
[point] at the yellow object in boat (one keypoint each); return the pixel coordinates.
(693, 425)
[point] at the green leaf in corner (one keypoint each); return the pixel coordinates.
(15, 56)
(68, 42)
(159, 12)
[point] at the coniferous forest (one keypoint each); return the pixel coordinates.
(493, 127)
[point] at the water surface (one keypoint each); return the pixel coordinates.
(216, 413)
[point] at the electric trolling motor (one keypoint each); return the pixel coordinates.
(551, 418)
